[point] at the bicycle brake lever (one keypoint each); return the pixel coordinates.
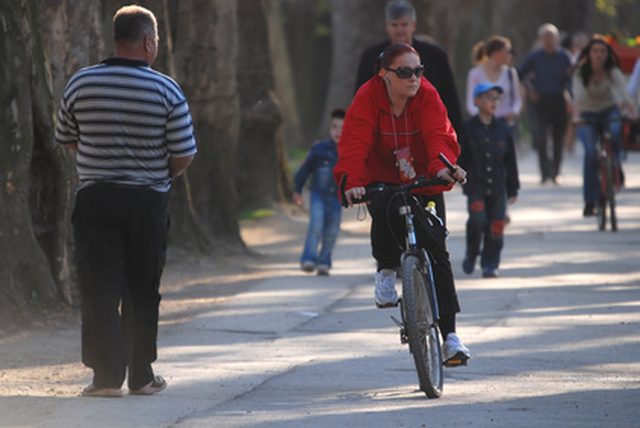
(447, 163)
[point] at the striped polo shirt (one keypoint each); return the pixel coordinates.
(127, 120)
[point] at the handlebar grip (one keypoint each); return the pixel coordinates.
(447, 162)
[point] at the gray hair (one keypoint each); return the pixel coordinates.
(131, 23)
(548, 28)
(396, 9)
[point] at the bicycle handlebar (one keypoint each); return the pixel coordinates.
(373, 190)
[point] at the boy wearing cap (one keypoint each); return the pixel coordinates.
(490, 161)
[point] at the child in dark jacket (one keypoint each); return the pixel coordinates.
(490, 160)
(324, 208)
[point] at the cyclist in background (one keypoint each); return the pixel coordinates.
(599, 93)
(393, 132)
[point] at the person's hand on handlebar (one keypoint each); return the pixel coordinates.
(459, 175)
(354, 193)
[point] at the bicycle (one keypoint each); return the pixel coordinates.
(419, 303)
(610, 182)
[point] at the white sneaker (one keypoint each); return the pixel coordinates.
(385, 293)
(455, 353)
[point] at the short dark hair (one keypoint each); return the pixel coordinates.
(338, 113)
(396, 9)
(131, 23)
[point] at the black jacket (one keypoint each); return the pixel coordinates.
(490, 159)
(437, 71)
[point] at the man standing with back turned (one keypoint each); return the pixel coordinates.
(131, 131)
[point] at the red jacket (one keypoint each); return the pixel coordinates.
(371, 134)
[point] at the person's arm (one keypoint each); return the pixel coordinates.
(472, 81)
(467, 161)
(180, 140)
(525, 67)
(356, 142)
(66, 131)
(449, 94)
(516, 108)
(511, 168)
(178, 165)
(303, 172)
(619, 88)
(438, 137)
(634, 82)
(579, 96)
(365, 69)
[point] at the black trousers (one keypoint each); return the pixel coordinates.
(550, 114)
(121, 240)
(388, 240)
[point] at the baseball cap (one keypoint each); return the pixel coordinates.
(483, 87)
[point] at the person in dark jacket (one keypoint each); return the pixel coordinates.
(547, 74)
(325, 209)
(493, 180)
(400, 24)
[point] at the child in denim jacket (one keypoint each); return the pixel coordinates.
(325, 209)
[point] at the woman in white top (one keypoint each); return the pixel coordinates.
(599, 93)
(492, 59)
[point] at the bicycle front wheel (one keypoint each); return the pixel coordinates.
(420, 326)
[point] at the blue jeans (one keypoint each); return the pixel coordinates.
(324, 224)
(610, 121)
(486, 226)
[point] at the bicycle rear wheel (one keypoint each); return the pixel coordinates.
(420, 326)
(608, 198)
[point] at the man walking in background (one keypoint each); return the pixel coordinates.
(548, 71)
(130, 129)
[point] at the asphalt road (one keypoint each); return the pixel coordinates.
(555, 340)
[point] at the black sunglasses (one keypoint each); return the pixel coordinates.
(407, 72)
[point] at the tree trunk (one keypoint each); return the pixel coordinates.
(25, 272)
(260, 146)
(283, 73)
(205, 54)
(356, 25)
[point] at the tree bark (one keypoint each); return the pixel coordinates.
(283, 73)
(261, 151)
(205, 54)
(25, 272)
(356, 25)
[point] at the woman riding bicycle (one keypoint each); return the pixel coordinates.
(599, 93)
(393, 131)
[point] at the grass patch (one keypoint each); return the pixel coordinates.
(257, 214)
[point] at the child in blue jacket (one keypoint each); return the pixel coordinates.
(325, 209)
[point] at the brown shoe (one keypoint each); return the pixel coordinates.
(94, 391)
(156, 385)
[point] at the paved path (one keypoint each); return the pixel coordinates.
(555, 339)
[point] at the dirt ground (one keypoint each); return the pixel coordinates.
(40, 351)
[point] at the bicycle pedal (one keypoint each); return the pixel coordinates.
(386, 305)
(455, 362)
